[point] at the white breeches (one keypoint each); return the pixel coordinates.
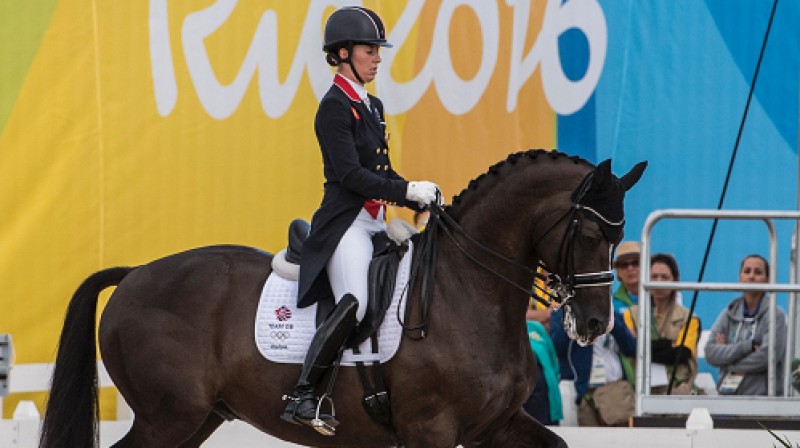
(347, 269)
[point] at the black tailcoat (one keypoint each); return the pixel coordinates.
(355, 157)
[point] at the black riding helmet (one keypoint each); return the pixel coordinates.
(352, 25)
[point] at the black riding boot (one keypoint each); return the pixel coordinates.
(325, 345)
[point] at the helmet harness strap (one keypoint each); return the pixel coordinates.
(349, 59)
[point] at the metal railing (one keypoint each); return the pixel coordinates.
(770, 405)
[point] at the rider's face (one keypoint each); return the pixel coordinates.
(366, 59)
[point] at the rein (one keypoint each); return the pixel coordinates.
(559, 291)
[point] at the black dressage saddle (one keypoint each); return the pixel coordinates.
(382, 276)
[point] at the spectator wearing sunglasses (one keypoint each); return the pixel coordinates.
(627, 266)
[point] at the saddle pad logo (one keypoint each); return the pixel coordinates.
(283, 314)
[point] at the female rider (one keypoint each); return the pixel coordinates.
(359, 182)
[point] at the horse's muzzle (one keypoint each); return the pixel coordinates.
(584, 329)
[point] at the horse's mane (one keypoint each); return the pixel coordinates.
(531, 155)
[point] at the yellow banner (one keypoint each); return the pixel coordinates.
(145, 128)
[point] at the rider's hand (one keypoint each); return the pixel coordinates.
(422, 192)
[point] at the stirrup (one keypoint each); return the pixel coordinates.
(325, 427)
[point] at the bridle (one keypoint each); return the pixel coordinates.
(559, 286)
(564, 289)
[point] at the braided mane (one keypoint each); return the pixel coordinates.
(513, 159)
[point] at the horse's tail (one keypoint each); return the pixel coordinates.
(72, 410)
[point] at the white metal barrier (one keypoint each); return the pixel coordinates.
(771, 405)
(23, 432)
(24, 378)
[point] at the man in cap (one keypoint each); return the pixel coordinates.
(627, 266)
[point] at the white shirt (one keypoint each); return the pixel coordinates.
(605, 350)
(360, 90)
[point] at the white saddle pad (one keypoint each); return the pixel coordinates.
(284, 331)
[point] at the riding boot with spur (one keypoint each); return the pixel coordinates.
(325, 346)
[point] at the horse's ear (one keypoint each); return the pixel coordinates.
(602, 173)
(633, 175)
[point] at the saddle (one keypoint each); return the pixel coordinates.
(388, 249)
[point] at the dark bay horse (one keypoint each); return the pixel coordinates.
(177, 335)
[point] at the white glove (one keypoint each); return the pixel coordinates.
(422, 192)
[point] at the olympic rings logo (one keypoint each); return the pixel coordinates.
(280, 335)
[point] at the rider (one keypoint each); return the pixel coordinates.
(359, 182)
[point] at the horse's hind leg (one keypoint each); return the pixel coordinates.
(523, 430)
(167, 432)
(209, 426)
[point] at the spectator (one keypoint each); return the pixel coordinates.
(602, 376)
(627, 266)
(739, 337)
(536, 310)
(667, 327)
(544, 403)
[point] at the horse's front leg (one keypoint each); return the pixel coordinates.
(435, 429)
(522, 430)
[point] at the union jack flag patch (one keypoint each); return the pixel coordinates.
(283, 314)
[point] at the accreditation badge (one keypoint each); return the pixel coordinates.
(730, 383)
(598, 376)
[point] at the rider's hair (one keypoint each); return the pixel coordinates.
(332, 54)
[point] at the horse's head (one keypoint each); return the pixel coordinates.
(580, 250)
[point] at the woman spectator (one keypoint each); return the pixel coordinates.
(739, 336)
(670, 350)
(544, 403)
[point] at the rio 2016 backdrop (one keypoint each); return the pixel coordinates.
(133, 130)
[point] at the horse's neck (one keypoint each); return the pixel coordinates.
(506, 214)
(509, 217)
(479, 291)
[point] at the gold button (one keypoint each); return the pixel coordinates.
(385, 151)
(377, 150)
(385, 167)
(377, 167)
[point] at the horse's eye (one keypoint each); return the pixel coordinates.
(590, 236)
(590, 239)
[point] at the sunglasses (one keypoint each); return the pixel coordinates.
(627, 264)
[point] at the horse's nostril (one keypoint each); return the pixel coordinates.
(596, 327)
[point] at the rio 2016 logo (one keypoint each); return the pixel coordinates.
(457, 95)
